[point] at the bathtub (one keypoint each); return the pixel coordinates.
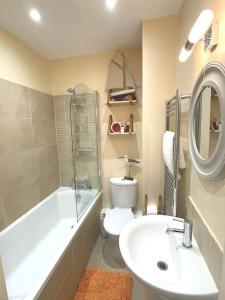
(32, 246)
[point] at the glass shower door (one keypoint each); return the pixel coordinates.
(84, 131)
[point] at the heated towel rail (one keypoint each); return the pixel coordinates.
(173, 109)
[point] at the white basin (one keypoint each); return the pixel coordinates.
(144, 242)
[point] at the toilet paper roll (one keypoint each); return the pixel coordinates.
(152, 209)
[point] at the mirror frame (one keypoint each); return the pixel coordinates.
(212, 168)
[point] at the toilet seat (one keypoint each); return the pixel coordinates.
(116, 219)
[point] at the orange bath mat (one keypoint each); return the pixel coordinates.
(99, 284)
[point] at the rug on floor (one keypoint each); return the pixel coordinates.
(100, 284)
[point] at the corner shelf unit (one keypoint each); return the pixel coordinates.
(131, 127)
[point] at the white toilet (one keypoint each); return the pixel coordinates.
(123, 196)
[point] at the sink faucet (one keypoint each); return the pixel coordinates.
(187, 231)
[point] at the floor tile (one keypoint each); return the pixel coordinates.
(113, 262)
(94, 260)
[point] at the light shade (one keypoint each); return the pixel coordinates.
(110, 4)
(201, 25)
(184, 54)
(35, 15)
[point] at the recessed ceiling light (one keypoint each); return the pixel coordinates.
(35, 15)
(110, 4)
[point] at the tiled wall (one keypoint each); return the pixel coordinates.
(28, 151)
(84, 136)
(64, 143)
(66, 277)
(210, 249)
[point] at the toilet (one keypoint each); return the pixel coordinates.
(123, 196)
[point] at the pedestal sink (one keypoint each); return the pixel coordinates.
(162, 263)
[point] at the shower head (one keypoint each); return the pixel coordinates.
(71, 90)
(73, 96)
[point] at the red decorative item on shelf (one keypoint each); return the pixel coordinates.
(116, 127)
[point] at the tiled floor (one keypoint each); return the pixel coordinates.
(106, 255)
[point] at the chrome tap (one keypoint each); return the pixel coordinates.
(187, 231)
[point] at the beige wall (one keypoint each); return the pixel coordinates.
(159, 54)
(93, 70)
(21, 64)
(207, 196)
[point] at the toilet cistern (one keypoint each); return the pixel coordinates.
(187, 231)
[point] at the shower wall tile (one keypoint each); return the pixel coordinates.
(29, 168)
(83, 130)
(2, 215)
(44, 132)
(211, 251)
(64, 142)
(20, 199)
(42, 107)
(14, 100)
(17, 168)
(66, 172)
(15, 135)
(48, 182)
(46, 158)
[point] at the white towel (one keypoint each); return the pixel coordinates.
(168, 151)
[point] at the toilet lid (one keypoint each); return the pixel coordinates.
(116, 219)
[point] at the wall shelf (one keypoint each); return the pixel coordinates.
(125, 133)
(131, 127)
(124, 102)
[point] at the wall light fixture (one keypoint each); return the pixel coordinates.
(200, 27)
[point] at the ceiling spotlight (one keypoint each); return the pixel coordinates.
(35, 15)
(110, 4)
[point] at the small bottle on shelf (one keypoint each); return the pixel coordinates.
(122, 128)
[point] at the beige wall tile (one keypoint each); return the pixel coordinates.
(66, 172)
(48, 182)
(2, 214)
(17, 168)
(209, 247)
(42, 106)
(14, 101)
(44, 132)
(15, 135)
(68, 288)
(20, 199)
(57, 279)
(46, 158)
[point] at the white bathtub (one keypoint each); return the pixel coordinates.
(32, 246)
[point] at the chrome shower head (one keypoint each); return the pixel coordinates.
(71, 91)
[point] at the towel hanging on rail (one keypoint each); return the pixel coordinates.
(168, 152)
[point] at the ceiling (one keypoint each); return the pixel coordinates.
(78, 27)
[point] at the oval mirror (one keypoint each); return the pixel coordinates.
(206, 122)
